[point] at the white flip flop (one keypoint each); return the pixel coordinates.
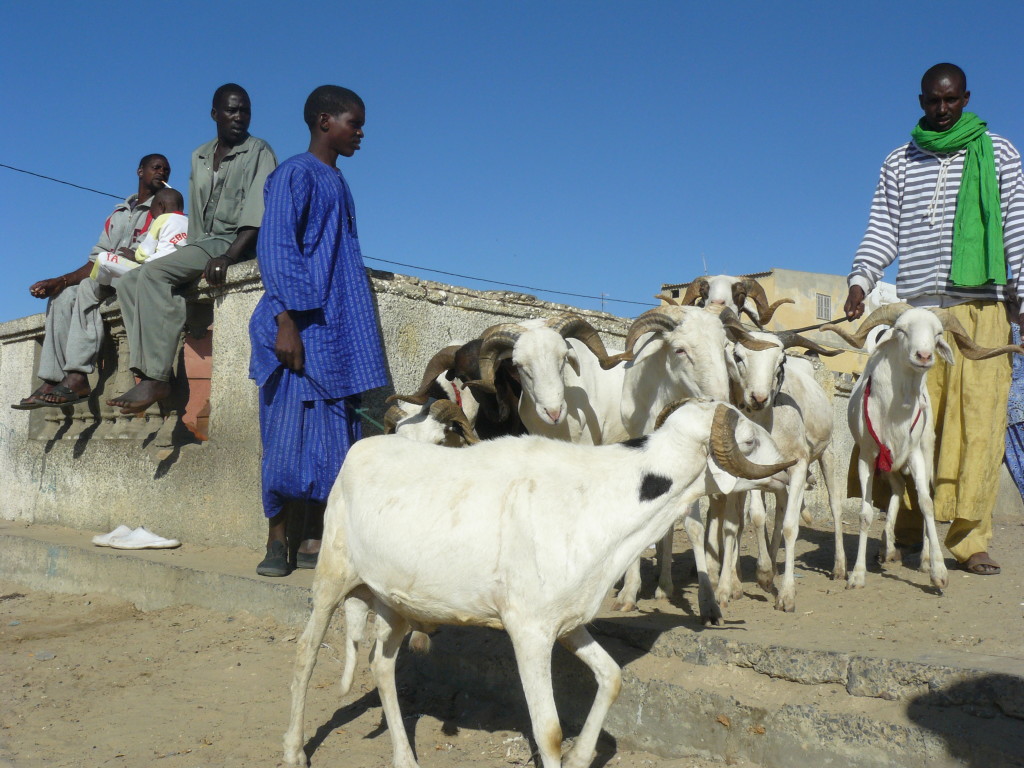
(104, 539)
(140, 538)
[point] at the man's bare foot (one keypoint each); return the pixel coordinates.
(141, 396)
(35, 399)
(72, 388)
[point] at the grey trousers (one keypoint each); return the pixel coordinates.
(154, 312)
(74, 331)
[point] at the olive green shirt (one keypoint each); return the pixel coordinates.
(221, 203)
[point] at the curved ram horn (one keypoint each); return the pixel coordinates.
(697, 289)
(393, 415)
(447, 412)
(968, 348)
(669, 409)
(670, 300)
(657, 319)
(496, 340)
(727, 453)
(887, 314)
(760, 299)
(790, 339)
(440, 362)
(736, 332)
(571, 325)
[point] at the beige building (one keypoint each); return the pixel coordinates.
(818, 298)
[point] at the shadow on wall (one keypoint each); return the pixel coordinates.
(981, 720)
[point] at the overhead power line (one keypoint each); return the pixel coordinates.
(509, 285)
(602, 298)
(60, 181)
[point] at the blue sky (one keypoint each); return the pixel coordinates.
(593, 148)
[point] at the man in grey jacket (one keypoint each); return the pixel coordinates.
(73, 327)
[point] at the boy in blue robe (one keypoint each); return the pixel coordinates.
(315, 339)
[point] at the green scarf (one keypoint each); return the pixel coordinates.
(978, 257)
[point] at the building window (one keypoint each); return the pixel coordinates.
(824, 306)
(675, 293)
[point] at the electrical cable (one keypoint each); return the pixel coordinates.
(384, 261)
(60, 181)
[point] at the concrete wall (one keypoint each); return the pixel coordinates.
(93, 469)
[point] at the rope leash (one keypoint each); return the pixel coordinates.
(816, 327)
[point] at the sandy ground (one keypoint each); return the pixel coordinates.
(898, 613)
(90, 681)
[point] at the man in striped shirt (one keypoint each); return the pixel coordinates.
(913, 214)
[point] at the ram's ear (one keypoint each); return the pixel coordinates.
(573, 359)
(730, 362)
(944, 350)
(724, 480)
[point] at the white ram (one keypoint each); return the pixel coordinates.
(731, 292)
(890, 416)
(440, 422)
(672, 352)
(780, 394)
(571, 387)
(522, 534)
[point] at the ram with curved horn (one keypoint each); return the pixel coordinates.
(673, 352)
(439, 383)
(492, 411)
(782, 395)
(733, 292)
(890, 417)
(388, 547)
(440, 422)
(570, 385)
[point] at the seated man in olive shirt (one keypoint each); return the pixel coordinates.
(225, 210)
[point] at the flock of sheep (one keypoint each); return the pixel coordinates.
(579, 457)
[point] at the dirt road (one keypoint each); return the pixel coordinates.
(90, 681)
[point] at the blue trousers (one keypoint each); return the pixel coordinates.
(1014, 457)
(304, 442)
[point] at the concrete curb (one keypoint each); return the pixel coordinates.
(892, 679)
(145, 580)
(682, 710)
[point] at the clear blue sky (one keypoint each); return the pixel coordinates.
(593, 148)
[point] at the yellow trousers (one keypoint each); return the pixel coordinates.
(969, 412)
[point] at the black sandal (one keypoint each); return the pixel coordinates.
(69, 395)
(32, 402)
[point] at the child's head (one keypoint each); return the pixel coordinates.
(335, 117)
(167, 200)
(332, 100)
